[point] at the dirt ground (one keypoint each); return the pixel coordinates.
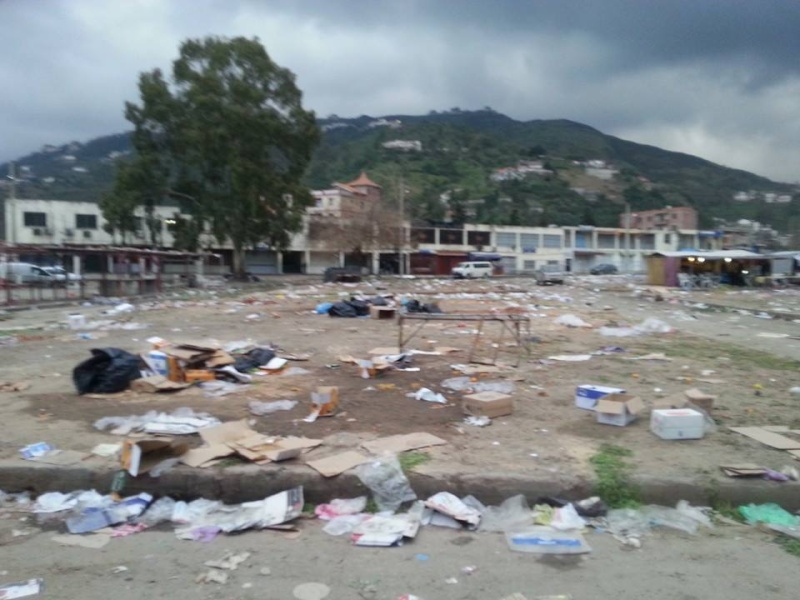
(546, 436)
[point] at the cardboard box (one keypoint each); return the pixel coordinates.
(701, 399)
(618, 409)
(487, 404)
(195, 375)
(677, 424)
(382, 312)
(586, 396)
(156, 383)
(139, 456)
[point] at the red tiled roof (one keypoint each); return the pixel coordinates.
(363, 180)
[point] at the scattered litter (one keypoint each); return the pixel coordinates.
(768, 438)
(213, 576)
(107, 450)
(427, 395)
(448, 504)
(571, 321)
(22, 589)
(331, 466)
(229, 562)
(311, 591)
(769, 513)
(465, 384)
(119, 569)
(385, 479)
(325, 402)
(478, 421)
(265, 408)
(545, 540)
(743, 470)
(570, 357)
(654, 356)
(487, 404)
(182, 421)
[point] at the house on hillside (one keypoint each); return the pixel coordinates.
(345, 199)
(670, 217)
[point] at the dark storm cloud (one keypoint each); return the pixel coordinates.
(715, 78)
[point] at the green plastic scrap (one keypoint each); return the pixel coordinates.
(770, 513)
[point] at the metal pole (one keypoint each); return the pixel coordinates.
(402, 240)
(627, 237)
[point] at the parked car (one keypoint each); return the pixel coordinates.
(603, 269)
(61, 275)
(25, 274)
(549, 275)
(472, 270)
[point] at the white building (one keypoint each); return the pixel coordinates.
(28, 221)
(405, 145)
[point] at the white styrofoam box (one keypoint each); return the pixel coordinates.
(677, 424)
(586, 396)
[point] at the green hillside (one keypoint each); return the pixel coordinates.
(460, 149)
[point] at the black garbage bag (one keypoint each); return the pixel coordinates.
(110, 370)
(431, 309)
(257, 357)
(342, 309)
(361, 307)
(378, 301)
(413, 306)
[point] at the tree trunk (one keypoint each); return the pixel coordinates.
(238, 262)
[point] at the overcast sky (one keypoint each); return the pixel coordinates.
(716, 78)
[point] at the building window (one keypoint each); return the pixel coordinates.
(478, 238)
(551, 241)
(607, 241)
(453, 237)
(34, 219)
(647, 242)
(529, 241)
(85, 221)
(667, 238)
(506, 239)
(529, 265)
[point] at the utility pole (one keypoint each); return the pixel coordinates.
(627, 237)
(11, 226)
(402, 237)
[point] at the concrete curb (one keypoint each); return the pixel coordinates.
(249, 482)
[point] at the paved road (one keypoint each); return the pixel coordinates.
(725, 564)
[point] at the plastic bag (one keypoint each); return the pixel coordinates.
(109, 371)
(342, 309)
(513, 513)
(653, 325)
(160, 511)
(627, 522)
(771, 514)
(566, 518)
(387, 482)
(344, 524)
(571, 321)
(265, 408)
(339, 507)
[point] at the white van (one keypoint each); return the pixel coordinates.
(472, 270)
(25, 274)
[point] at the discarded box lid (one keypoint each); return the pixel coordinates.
(156, 383)
(677, 424)
(700, 399)
(618, 409)
(587, 395)
(487, 404)
(139, 456)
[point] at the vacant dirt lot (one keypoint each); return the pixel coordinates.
(748, 362)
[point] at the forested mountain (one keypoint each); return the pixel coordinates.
(448, 165)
